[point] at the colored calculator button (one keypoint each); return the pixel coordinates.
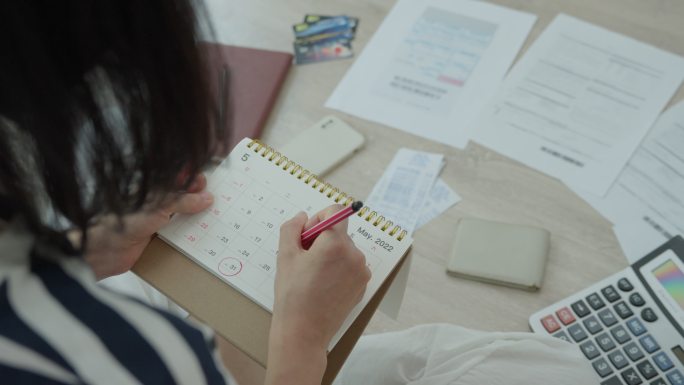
(624, 284)
(658, 381)
(580, 308)
(636, 326)
(565, 316)
(663, 361)
(675, 377)
(649, 344)
(550, 323)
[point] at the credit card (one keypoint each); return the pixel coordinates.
(312, 18)
(333, 24)
(325, 37)
(315, 53)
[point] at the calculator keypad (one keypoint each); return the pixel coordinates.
(610, 293)
(623, 310)
(592, 325)
(636, 299)
(565, 316)
(580, 308)
(611, 333)
(620, 334)
(631, 377)
(590, 350)
(648, 315)
(607, 317)
(625, 285)
(675, 377)
(595, 301)
(577, 333)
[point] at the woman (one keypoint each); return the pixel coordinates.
(104, 130)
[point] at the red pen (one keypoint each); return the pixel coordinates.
(309, 235)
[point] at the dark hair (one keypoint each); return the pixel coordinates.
(102, 105)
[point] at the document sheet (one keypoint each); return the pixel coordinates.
(646, 203)
(432, 66)
(403, 190)
(440, 198)
(579, 102)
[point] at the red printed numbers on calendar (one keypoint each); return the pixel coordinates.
(191, 237)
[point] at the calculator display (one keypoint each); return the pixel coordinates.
(664, 275)
(672, 280)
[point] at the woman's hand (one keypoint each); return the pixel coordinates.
(315, 290)
(113, 249)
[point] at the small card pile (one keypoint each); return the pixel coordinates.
(322, 38)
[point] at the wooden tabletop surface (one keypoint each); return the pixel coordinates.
(583, 247)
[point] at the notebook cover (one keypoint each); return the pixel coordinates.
(232, 315)
(255, 79)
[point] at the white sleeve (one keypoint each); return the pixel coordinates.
(439, 354)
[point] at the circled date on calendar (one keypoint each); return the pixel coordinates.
(230, 266)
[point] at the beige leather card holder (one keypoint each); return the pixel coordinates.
(499, 253)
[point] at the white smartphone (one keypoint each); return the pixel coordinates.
(324, 145)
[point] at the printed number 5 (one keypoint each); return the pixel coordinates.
(245, 157)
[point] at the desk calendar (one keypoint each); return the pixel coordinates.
(255, 190)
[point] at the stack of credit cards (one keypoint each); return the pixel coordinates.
(322, 38)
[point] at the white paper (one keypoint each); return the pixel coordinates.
(402, 191)
(579, 102)
(638, 238)
(440, 198)
(646, 203)
(432, 66)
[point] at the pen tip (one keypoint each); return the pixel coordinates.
(356, 206)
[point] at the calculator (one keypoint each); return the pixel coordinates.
(630, 326)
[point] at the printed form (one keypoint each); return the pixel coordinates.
(410, 191)
(646, 203)
(579, 102)
(432, 66)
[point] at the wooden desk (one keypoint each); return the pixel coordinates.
(583, 247)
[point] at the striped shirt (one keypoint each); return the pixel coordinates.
(57, 326)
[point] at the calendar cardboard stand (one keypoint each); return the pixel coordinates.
(232, 315)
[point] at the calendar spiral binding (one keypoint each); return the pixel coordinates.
(309, 178)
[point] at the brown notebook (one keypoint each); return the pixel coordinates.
(253, 80)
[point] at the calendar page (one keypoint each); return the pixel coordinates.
(236, 239)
